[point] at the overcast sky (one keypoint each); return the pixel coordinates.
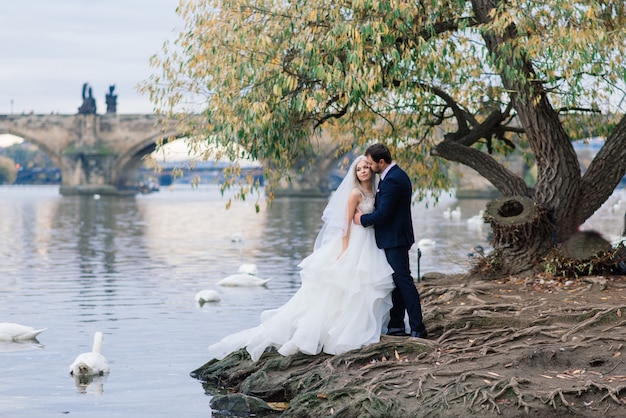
(49, 48)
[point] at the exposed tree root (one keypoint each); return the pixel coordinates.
(543, 354)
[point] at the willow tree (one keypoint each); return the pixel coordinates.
(463, 81)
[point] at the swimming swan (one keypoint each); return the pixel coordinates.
(237, 237)
(248, 269)
(242, 280)
(426, 242)
(207, 295)
(476, 221)
(16, 332)
(93, 363)
(456, 214)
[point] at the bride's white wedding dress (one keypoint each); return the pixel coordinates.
(342, 304)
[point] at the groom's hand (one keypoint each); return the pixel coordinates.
(357, 216)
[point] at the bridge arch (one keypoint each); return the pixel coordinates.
(129, 162)
(312, 177)
(87, 147)
(102, 153)
(39, 142)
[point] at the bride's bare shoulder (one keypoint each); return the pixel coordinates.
(355, 196)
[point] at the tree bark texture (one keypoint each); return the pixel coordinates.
(563, 195)
(522, 233)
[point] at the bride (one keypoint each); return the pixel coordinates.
(345, 295)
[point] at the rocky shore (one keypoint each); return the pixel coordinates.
(540, 346)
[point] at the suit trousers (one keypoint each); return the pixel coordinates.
(405, 296)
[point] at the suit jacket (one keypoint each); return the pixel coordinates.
(393, 225)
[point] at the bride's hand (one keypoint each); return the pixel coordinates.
(344, 247)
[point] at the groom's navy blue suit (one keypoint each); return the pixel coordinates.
(393, 228)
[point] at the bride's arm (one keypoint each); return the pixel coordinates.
(353, 201)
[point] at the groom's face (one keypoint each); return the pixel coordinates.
(374, 165)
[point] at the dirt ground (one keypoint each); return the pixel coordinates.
(540, 346)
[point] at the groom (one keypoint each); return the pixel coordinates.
(393, 229)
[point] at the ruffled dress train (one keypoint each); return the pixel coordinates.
(343, 304)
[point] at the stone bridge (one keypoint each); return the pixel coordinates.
(102, 153)
(95, 153)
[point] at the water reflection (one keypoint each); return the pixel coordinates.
(9, 346)
(90, 384)
(289, 234)
(99, 231)
(450, 240)
(131, 268)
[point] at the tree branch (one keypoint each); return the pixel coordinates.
(605, 171)
(507, 182)
(459, 114)
(577, 109)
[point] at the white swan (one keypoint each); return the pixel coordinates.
(248, 269)
(447, 213)
(16, 332)
(242, 280)
(93, 363)
(207, 295)
(616, 206)
(476, 221)
(426, 242)
(237, 237)
(456, 213)
(9, 346)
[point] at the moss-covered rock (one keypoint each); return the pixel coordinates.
(238, 403)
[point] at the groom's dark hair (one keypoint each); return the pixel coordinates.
(379, 152)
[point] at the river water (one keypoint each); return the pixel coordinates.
(130, 267)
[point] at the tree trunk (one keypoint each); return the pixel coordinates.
(522, 234)
(527, 228)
